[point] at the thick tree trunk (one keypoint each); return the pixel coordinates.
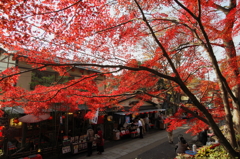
(236, 111)
(231, 56)
(211, 122)
(236, 119)
(228, 117)
(179, 81)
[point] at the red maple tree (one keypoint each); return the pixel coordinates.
(174, 40)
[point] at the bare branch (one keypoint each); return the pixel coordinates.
(113, 27)
(38, 68)
(184, 108)
(186, 9)
(56, 10)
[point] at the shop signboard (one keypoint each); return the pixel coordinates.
(127, 119)
(75, 148)
(66, 149)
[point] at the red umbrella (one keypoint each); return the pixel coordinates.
(30, 118)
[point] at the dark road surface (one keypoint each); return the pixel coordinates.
(161, 149)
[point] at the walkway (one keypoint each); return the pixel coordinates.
(133, 147)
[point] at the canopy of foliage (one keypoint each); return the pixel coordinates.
(174, 40)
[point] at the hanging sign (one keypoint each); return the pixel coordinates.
(95, 118)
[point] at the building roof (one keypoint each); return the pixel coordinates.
(57, 60)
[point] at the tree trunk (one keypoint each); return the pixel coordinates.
(211, 122)
(236, 119)
(236, 110)
(180, 82)
(231, 56)
(228, 117)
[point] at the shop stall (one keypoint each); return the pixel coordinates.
(76, 144)
(134, 131)
(116, 134)
(126, 124)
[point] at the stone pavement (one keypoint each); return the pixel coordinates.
(132, 147)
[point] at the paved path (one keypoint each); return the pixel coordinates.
(140, 148)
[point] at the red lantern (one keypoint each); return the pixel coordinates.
(63, 117)
(15, 121)
(1, 129)
(50, 118)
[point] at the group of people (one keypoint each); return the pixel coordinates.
(182, 144)
(90, 138)
(180, 147)
(138, 123)
(143, 125)
(205, 134)
(203, 137)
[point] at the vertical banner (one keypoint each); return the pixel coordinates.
(95, 118)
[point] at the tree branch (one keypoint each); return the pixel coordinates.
(113, 27)
(38, 68)
(56, 10)
(184, 108)
(186, 9)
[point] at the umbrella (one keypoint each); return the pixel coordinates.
(30, 118)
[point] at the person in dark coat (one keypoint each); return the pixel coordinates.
(203, 136)
(90, 138)
(100, 141)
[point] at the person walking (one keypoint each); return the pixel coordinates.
(140, 127)
(169, 132)
(170, 135)
(143, 126)
(90, 138)
(162, 118)
(146, 120)
(100, 141)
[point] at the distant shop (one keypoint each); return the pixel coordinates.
(121, 124)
